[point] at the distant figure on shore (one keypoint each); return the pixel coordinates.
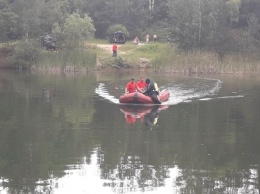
(114, 49)
(154, 37)
(136, 40)
(147, 37)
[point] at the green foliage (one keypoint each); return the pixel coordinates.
(216, 26)
(68, 59)
(161, 29)
(25, 54)
(115, 28)
(57, 32)
(77, 29)
(119, 61)
(51, 13)
(8, 22)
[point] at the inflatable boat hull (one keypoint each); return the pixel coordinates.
(139, 98)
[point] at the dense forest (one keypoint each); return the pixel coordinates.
(218, 25)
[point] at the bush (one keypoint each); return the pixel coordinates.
(74, 58)
(26, 53)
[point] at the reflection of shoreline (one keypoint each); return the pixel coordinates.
(147, 114)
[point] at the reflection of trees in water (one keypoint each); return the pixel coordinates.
(203, 181)
(39, 139)
(132, 175)
(209, 154)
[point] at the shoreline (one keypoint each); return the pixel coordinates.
(155, 58)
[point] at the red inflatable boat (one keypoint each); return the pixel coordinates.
(139, 98)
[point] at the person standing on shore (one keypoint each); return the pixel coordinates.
(147, 38)
(136, 40)
(114, 49)
(154, 37)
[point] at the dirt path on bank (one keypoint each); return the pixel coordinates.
(108, 48)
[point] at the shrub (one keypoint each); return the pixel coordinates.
(26, 53)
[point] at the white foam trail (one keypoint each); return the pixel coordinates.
(101, 91)
(205, 99)
(188, 91)
(222, 97)
(239, 96)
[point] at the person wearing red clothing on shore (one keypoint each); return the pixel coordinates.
(140, 85)
(114, 49)
(130, 86)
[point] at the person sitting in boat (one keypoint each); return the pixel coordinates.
(152, 90)
(130, 86)
(140, 85)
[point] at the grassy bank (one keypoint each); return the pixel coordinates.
(30, 55)
(163, 57)
(158, 57)
(67, 60)
(206, 62)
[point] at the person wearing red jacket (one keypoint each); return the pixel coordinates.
(131, 86)
(114, 49)
(140, 85)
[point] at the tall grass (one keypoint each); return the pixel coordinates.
(173, 60)
(168, 58)
(68, 60)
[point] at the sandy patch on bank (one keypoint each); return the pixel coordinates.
(107, 47)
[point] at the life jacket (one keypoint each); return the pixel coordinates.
(156, 87)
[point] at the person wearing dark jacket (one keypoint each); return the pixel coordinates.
(152, 91)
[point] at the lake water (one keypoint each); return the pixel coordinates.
(66, 134)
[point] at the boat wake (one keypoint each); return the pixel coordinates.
(187, 91)
(102, 91)
(193, 89)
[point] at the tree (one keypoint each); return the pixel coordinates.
(8, 22)
(29, 13)
(196, 23)
(115, 28)
(102, 12)
(77, 29)
(52, 12)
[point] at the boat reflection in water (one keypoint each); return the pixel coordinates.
(146, 114)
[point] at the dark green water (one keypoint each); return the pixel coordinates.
(68, 134)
